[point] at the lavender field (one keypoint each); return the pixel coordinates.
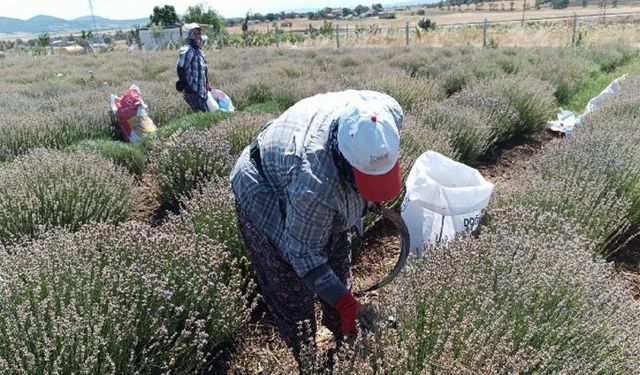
(120, 258)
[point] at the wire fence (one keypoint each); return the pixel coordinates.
(411, 33)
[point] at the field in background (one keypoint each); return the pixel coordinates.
(462, 15)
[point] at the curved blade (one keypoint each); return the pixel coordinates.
(396, 219)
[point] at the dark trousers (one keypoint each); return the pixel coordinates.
(196, 102)
(285, 294)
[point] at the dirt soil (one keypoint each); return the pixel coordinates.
(505, 164)
(146, 205)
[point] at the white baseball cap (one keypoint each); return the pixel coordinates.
(369, 140)
(190, 26)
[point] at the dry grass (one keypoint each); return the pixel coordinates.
(453, 16)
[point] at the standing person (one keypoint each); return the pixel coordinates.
(300, 189)
(192, 70)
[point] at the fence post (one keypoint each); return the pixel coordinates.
(338, 36)
(484, 33)
(406, 33)
(221, 38)
(347, 31)
(277, 38)
(575, 27)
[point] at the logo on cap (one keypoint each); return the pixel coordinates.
(377, 161)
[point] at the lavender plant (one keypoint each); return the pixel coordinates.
(566, 75)
(523, 297)
(186, 161)
(531, 97)
(469, 128)
(501, 117)
(576, 184)
(47, 188)
(126, 299)
(212, 212)
(241, 130)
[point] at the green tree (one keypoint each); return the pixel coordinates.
(164, 16)
(85, 36)
(44, 40)
(377, 7)
(360, 9)
(426, 24)
(204, 15)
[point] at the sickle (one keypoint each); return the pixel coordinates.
(396, 219)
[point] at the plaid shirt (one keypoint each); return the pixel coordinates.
(195, 63)
(301, 199)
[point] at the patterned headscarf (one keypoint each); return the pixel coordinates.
(195, 43)
(345, 170)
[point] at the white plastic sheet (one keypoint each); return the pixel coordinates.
(609, 91)
(444, 197)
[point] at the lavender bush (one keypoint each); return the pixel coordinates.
(212, 212)
(241, 130)
(501, 117)
(118, 300)
(46, 188)
(523, 297)
(530, 96)
(470, 130)
(186, 161)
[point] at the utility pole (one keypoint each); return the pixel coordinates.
(95, 29)
(93, 18)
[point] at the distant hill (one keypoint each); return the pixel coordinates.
(48, 24)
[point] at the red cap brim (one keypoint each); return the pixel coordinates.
(379, 188)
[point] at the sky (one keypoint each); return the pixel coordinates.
(132, 9)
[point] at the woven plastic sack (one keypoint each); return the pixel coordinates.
(444, 197)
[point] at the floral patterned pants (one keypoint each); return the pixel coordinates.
(285, 294)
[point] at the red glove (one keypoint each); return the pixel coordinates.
(347, 307)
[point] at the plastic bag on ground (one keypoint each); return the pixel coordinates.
(224, 101)
(131, 115)
(565, 123)
(444, 197)
(212, 104)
